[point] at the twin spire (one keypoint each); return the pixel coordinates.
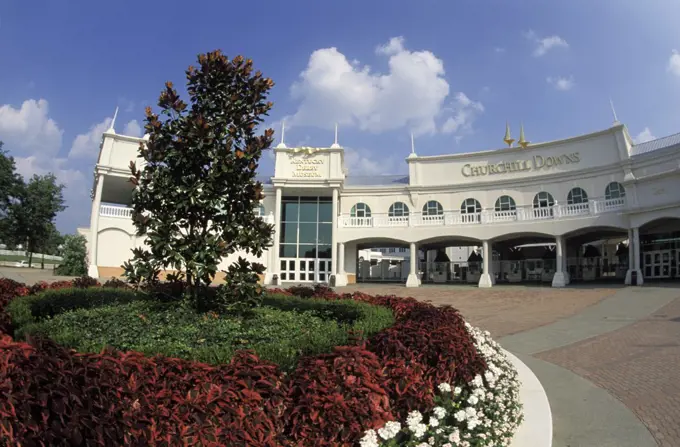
(522, 139)
(282, 144)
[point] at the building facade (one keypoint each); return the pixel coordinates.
(592, 206)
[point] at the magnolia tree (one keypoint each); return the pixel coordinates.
(195, 194)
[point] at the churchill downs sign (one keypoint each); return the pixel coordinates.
(536, 163)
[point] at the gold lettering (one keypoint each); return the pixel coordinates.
(466, 171)
(537, 162)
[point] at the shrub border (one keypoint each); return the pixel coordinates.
(412, 365)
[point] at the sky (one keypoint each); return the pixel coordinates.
(452, 72)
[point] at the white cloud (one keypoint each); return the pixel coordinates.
(29, 129)
(644, 136)
(499, 50)
(133, 129)
(332, 89)
(86, 145)
(545, 44)
(464, 113)
(561, 83)
(361, 163)
(674, 63)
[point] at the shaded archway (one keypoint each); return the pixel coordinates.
(660, 249)
(526, 257)
(596, 254)
(377, 259)
(446, 259)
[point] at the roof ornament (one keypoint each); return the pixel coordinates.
(508, 139)
(413, 145)
(335, 145)
(282, 144)
(616, 119)
(522, 141)
(113, 122)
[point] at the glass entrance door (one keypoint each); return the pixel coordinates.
(305, 270)
(657, 264)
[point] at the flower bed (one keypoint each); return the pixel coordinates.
(401, 375)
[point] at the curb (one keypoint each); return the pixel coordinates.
(536, 430)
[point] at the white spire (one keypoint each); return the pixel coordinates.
(282, 144)
(335, 145)
(413, 144)
(616, 119)
(113, 122)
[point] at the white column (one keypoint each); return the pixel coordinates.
(631, 257)
(485, 278)
(413, 280)
(559, 279)
(636, 252)
(275, 267)
(92, 269)
(341, 276)
(334, 234)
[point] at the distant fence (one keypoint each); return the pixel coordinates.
(24, 253)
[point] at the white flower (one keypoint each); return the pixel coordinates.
(457, 390)
(414, 418)
(369, 440)
(419, 430)
(390, 430)
(434, 422)
(444, 388)
(472, 400)
(439, 412)
(455, 436)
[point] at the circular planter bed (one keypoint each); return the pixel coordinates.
(417, 375)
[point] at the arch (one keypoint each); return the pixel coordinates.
(433, 208)
(113, 244)
(470, 206)
(398, 209)
(614, 190)
(505, 203)
(360, 210)
(577, 195)
(543, 200)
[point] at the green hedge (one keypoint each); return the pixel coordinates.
(282, 330)
(27, 309)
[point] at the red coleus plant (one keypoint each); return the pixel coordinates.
(54, 396)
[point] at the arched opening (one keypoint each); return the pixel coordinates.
(398, 213)
(596, 254)
(378, 260)
(505, 209)
(526, 258)
(614, 191)
(543, 205)
(432, 212)
(452, 260)
(471, 211)
(577, 196)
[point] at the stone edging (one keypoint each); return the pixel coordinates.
(536, 430)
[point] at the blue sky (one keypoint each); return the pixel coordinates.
(450, 71)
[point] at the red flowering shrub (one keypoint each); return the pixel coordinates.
(61, 284)
(337, 396)
(53, 396)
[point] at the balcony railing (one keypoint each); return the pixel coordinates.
(524, 213)
(115, 211)
(126, 213)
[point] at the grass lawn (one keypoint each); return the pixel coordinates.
(18, 258)
(281, 331)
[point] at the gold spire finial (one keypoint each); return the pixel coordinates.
(508, 139)
(522, 141)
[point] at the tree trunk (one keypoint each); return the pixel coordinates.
(30, 258)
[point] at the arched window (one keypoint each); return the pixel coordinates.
(398, 209)
(360, 210)
(577, 195)
(433, 208)
(614, 190)
(470, 206)
(505, 203)
(543, 200)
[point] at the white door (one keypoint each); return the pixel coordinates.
(657, 264)
(323, 270)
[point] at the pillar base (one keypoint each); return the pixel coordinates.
(559, 279)
(341, 280)
(412, 281)
(485, 280)
(93, 271)
(629, 274)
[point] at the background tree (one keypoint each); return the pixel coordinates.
(74, 252)
(10, 183)
(195, 197)
(31, 216)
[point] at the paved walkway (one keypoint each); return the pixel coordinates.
(608, 358)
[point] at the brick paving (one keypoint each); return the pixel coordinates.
(502, 310)
(639, 364)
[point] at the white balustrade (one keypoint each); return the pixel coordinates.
(115, 211)
(454, 218)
